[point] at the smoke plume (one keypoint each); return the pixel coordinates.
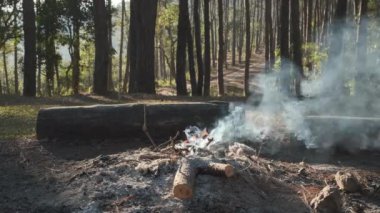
(341, 105)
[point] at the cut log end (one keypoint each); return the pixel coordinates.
(183, 191)
(190, 168)
(226, 169)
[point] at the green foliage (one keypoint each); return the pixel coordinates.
(315, 55)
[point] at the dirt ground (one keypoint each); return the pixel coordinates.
(102, 176)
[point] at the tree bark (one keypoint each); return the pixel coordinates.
(39, 51)
(5, 63)
(247, 48)
(101, 48)
(198, 44)
(181, 49)
(295, 34)
(16, 51)
(361, 50)
(121, 47)
(336, 41)
(207, 59)
(29, 19)
(284, 47)
(76, 55)
(142, 25)
(110, 84)
(268, 34)
(221, 49)
(190, 54)
(234, 34)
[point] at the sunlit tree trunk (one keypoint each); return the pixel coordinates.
(247, 48)
(221, 49)
(207, 59)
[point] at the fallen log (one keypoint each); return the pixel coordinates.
(185, 177)
(125, 120)
(349, 133)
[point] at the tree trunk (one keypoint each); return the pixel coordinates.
(221, 49)
(1, 84)
(50, 61)
(76, 58)
(5, 63)
(56, 68)
(247, 47)
(142, 25)
(226, 31)
(101, 48)
(190, 54)
(110, 85)
(121, 47)
(181, 48)
(361, 50)
(39, 51)
(234, 34)
(336, 41)
(241, 37)
(16, 52)
(309, 20)
(207, 59)
(198, 44)
(295, 34)
(268, 33)
(284, 47)
(29, 20)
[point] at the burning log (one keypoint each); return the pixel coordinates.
(190, 168)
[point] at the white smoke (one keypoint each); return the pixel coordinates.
(342, 106)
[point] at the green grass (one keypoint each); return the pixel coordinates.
(17, 122)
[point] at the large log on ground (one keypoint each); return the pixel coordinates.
(348, 132)
(125, 120)
(185, 177)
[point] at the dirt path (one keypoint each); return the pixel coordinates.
(233, 77)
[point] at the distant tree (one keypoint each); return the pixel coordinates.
(221, 49)
(29, 20)
(121, 47)
(141, 42)
(295, 33)
(234, 29)
(190, 54)
(336, 41)
(269, 54)
(361, 50)
(207, 58)
(16, 42)
(111, 49)
(284, 46)
(49, 23)
(198, 47)
(101, 47)
(247, 47)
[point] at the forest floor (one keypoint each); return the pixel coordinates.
(106, 176)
